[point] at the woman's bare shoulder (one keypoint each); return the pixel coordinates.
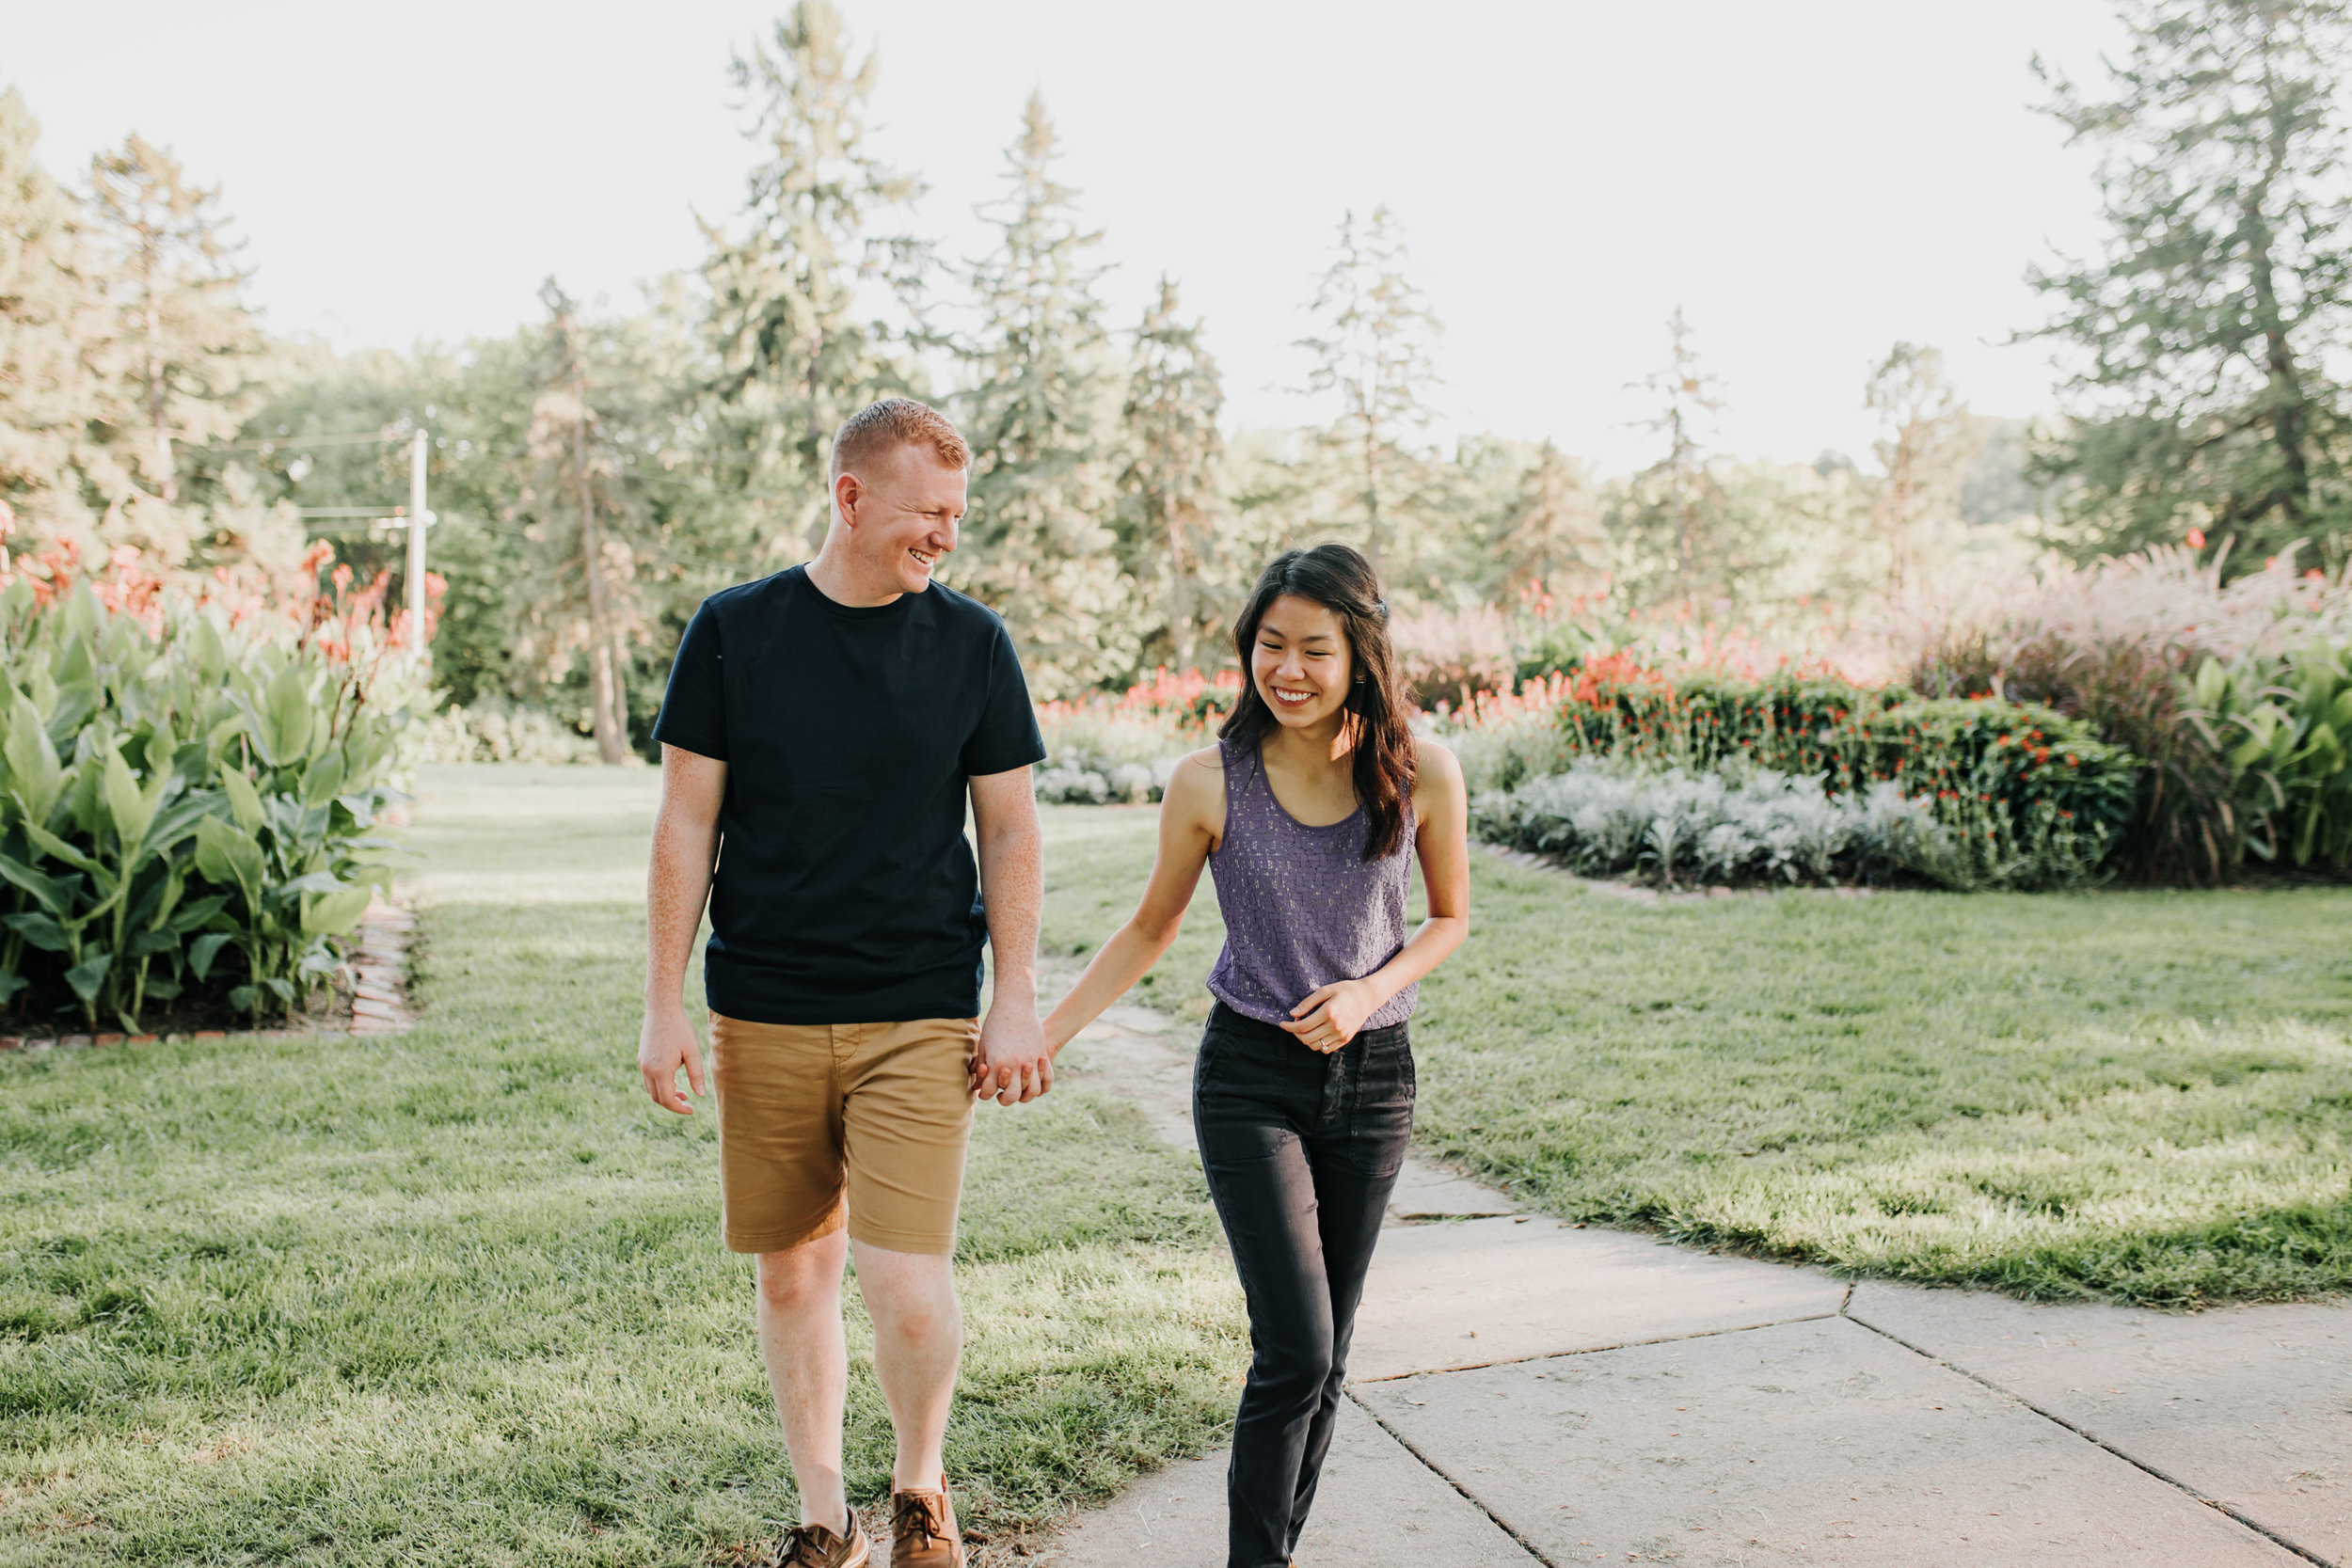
(1210, 758)
(1434, 757)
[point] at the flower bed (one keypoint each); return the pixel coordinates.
(189, 788)
(1123, 748)
(2023, 797)
(1614, 819)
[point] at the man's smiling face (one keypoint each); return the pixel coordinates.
(908, 509)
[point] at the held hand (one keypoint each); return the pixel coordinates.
(1013, 1065)
(1333, 1014)
(667, 1044)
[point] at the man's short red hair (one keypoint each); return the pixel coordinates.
(893, 422)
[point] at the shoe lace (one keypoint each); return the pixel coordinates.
(800, 1549)
(919, 1512)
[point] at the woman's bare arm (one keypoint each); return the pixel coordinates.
(1192, 820)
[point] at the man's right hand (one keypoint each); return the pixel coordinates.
(668, 1044)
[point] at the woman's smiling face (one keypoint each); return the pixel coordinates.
(1300, 662)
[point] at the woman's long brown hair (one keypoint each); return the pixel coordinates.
(1381, 746)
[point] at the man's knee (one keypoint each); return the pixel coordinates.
(808, 1276)
(914, 1290)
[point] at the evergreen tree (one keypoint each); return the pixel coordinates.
(182, 344)
(603, 439)
(1375, 347)
(1170, 488)
(1674, 505)
(48, 302)
(1930, 438)
(1553, 533)
(1042, 419)
(2204, 402)
(795, 355)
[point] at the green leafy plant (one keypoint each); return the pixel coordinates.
(2285, 727)
(189, 791)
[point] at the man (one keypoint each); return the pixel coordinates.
(822, 729)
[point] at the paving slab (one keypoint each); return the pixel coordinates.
(1813, 1443)
(1142, 1065)
(1473, 1292)
(1377, 1504)
(1427, 1192)
(2250, 1405)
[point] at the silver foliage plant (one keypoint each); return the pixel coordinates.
(1763, 827)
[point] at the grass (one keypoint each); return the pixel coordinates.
(457, 1296)
(2143, 1095)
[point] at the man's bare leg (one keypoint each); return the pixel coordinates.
(918, 1337)
(808, 1367)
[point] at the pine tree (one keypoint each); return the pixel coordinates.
(1041, 418)
(1929, 437)
(2204, 402)
(1673, 503)
(1170, 486)
(795, 356)
(48, 307)
(600, 441)
(184, 345)
(1376, 348)
(1553, 533)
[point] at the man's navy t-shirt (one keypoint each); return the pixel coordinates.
(846, 890)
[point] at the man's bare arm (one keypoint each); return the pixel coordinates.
(1013, 1063)
(677, 885)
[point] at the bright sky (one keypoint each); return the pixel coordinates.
(1810, 180)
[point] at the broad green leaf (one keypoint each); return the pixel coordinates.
(54, 895)
(192, 915)
(245, 997)
(229, 859)
(129, 806)
(33, 769)
(204, 949)
(331, 914)
(245, 800)
(89, 975)
(56, 848)
(41, 931)
(323, 779)
(288, 716)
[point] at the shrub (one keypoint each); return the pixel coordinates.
(2030, 798)
(188, 789)
(1606, 818)
(490, 730)
(2119, 646)
(2026, 797)
(1124, 749)
(2284, 728)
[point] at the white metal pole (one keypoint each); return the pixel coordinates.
(418, 518)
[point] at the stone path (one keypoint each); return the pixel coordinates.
(1529, 1392)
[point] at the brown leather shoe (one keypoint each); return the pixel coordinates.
(814, 1546)
(923, 1531)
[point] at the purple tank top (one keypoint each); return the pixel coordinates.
(1302, 906)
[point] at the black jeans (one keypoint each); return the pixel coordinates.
(1301, 1151)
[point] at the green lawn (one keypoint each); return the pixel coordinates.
(458, 1297)
(2145, 1095)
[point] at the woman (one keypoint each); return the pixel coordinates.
(1303, 1094)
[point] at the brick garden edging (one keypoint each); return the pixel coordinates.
(380, 1000)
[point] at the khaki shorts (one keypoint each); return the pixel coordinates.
(823, 1123)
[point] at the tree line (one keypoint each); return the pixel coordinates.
(596, 473)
